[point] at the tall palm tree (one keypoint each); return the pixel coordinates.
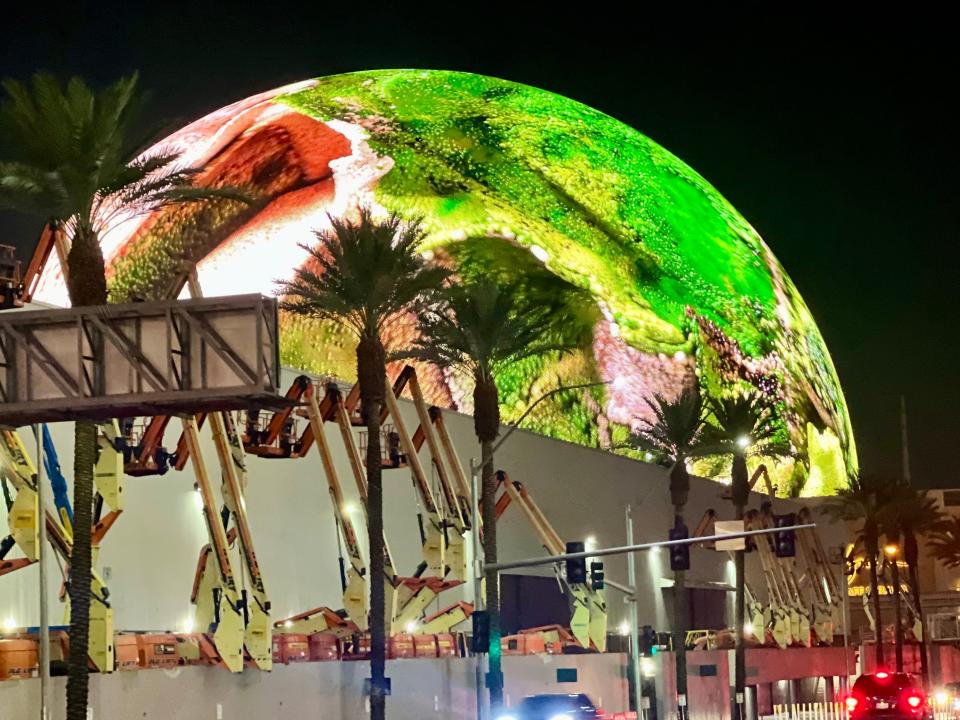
(69, 153)
(913, 513)
(739, 426)
(480, 328)
(674, 435)
(863, 500)
(364, 275)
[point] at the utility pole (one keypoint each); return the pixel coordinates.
(635, 624)
(42, 563)
(477, 577)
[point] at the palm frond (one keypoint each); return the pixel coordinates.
(362, 274)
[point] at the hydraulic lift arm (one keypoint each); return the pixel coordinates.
(355, 600)
(217, 599)
(257, 634)
(454, 526)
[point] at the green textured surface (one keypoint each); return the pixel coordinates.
(686, 284)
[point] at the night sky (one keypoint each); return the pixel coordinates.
(835, 137)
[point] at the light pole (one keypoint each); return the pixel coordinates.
(477, 577)
(42, 567)
(892, 551)
(635, 625)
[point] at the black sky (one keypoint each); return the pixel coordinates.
(836, 137)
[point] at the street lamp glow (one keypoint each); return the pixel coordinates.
(748, 628)
(9, 624)
(288, 623)
(647, 667)
(197, 499)
(624, 628)
(411, 627)
(743, 442)
(350, 508)
(891, 550)
(590, 544)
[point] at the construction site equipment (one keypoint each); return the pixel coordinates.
(17, 468)
(588, 608)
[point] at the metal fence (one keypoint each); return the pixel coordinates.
(810, 711)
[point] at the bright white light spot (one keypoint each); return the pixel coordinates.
(748, 629)
(680, 356)
(427, 255)
(648, 456)
(743, 441)
(411, 627)
(590, 544)
(624, 628)
(288, 623)
(614, 330)
(188, 625)
(941, 697)
(539, 253)
(198, 499)
(647, 667)
(561, 716)
(350, 508)
(620, 382)
(9, 624)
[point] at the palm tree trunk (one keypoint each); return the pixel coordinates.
(910, 554)
(492, 577)
(87, 285)
(741, 495)
(870, 542)
(486, 418)
(371, 370)
(85, 439)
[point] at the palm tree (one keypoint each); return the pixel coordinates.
(910, 514)
(944, 541)
(739, 426)
(69, 154)
(674, 436)
(480, 328)
(364, 275)
(863, 500)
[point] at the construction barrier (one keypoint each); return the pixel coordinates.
(811, 711)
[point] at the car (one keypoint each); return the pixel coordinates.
(884, 695)
(553, 707)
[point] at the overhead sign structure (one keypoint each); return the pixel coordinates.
(171, 357)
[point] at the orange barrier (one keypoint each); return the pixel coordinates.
(425, 646)
(401, 646)
(18, 659)
(126, 652)
(291, 647)
(523, 644)
(447, 645)
(158, 650)
(324, 647)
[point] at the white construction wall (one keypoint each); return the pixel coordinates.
(422, 690)
(149, 556)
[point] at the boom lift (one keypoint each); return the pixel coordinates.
(17, 467)
(588, 620)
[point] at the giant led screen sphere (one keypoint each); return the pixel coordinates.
(506, 176)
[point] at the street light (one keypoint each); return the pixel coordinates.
(891, 550)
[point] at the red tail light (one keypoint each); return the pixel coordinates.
(881, 675)
(914, 699)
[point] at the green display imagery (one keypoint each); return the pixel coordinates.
(686, 289)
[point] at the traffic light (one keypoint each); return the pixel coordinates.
(576, 569)
(785, 541)
(679, 554)
(480, 641)
(596, 575)
(648, 641)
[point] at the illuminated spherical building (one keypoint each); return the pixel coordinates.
(687, 291)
